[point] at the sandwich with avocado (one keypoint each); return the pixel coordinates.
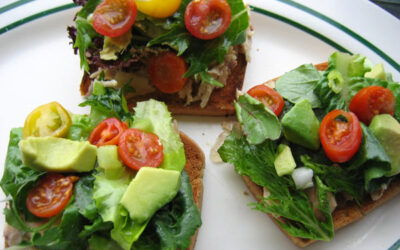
(192, 55)
(318, 147)
(108, 180)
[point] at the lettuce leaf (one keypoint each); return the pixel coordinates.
(97, 242)
(338, 178)
(373, 160)
(259, 122)
(107, 194)
(107, 102)
(17, 180)
(257, 162)
(153, 116)
(85, 31)
(299, 84)
(84, 40)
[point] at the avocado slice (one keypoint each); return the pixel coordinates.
(108, 159)
(150, 190)
(301, 126)
(284, 162)
(58, 154)
(387, 130)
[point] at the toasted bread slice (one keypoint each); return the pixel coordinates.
(194, 167)
(220, 102)
(344, 214)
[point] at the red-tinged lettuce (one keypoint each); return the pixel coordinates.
(259, 122)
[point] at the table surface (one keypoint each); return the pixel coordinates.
(391, 6)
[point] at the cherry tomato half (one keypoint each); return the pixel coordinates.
(207, 19)
(166, 71)
(107, 132)
(47, 120)
(140, 149)
(340, 134)
(50, 195)
(272, 99)
(371, 101)
(158, 8)
(114, 17)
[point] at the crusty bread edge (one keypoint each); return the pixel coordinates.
(342, 216)
(195, 162)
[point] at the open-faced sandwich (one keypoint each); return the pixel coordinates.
(189, 54)
(108, 180)
(318, 147)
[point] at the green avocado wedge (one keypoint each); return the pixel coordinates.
(301, 126)
(61, 155)
(387, 131)
(149, 191)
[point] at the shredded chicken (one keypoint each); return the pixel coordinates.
(247, 44)
(220, 72)
(376, 195)
(227, 128)
(204, 94)
(312, 194)
(186, 92)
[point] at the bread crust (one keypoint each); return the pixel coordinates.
(344, 214)
(194, 167)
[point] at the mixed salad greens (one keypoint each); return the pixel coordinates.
(149, 31)
(255, 146)
(94, 218)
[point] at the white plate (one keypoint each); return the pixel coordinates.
(37, 66)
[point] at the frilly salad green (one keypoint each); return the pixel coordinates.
(310, 96)
(100, 213)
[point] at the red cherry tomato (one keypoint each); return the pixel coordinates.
(272, 99)
(114, 17)
(140, 149)
(107, 132)
(340, 134)
(371, 101)
(166, 71)
(50, 195)
(207, 19)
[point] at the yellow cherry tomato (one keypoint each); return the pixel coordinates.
(47, 120)
(158, 8)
